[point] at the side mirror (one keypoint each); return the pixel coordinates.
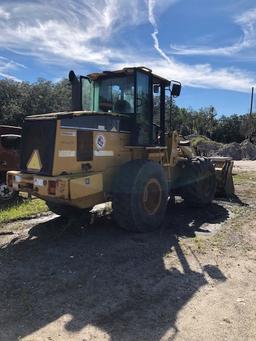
(176, 88)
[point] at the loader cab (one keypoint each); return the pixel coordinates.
(135, 93)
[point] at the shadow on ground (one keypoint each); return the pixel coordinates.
(101, 276)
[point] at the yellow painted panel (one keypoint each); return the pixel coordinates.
(86, 186)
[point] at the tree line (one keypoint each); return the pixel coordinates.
(19, 99)
(206, 121)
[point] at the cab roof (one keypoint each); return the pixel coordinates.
(69, 114)
(129, 70)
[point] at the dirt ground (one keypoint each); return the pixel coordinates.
(195, 279)
(245, 166)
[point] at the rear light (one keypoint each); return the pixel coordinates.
(52, 187)
(9, 180)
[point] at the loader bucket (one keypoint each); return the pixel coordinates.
(223, 168)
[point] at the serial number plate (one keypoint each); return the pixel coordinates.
(17, 178)
(38, 182)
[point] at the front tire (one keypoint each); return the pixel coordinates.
(198, 182)
(140, 196)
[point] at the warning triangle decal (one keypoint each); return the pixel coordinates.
(34, 162)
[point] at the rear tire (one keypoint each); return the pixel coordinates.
(198, 181)
(140, 196)
(7, 196)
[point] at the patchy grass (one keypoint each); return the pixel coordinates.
(199, 244)
(26, 209)
(201, 138)
(244, 177)
(238, 232)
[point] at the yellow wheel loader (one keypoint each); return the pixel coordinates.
(115, 145)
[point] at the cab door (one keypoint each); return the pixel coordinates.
(143, 106)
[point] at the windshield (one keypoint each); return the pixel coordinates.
(109, 95)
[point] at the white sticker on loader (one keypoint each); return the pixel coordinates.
(103, 153)
(67, 153)
(87, 182)
(17, 178)
(100, 142)
(38, 182)
(68, 133)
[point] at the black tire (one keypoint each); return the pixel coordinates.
(198, 182)
(7, 196)
(140, 195)
(68, 211)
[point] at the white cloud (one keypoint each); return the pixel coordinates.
(73, 30)
(203, 75)
(247, 21)
(152, 20)
(82, 31)
(4, 14)
(7, 66)
(199, 75)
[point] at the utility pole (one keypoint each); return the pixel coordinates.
(252, 101)
(250, 117)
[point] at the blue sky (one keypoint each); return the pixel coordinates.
(210, 46)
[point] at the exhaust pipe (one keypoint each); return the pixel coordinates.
(76, 91)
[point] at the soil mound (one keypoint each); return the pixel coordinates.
(231, 150)
(208, 148)
(248, 150)
(243, 151)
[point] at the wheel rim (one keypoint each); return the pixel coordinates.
(5, 193)
(152, 196)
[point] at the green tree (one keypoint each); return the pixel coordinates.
(248, 127)
(19, 99)
(228, 129)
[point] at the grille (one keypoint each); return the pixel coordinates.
(38, 135)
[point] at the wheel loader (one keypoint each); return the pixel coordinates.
(115, 145)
